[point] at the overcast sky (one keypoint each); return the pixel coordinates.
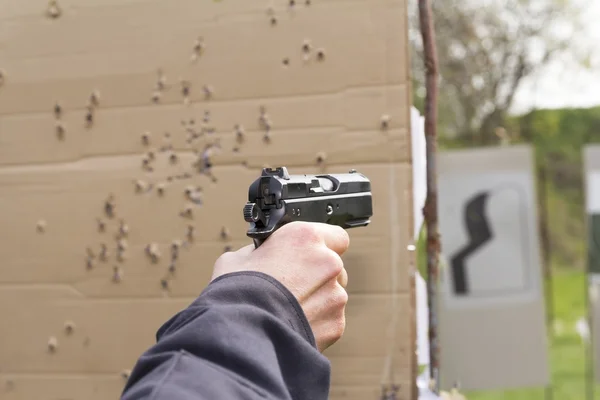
(561, 86)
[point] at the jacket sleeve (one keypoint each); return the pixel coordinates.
(244, 337)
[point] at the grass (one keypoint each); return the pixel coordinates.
(567, 350)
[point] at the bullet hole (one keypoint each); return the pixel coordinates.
(123, 229)
(175, 250)
(89, 117)
(53, 10)
(224, 233)
(173, 158)
(2, 77)
(192, 121)
(321, 157)
(95, 98)
(385, 122)
(164, 284)
(239, 133)
(308, 2)
(57, 110)
(103, 256)
(306, 46)
(60, 130)
(185, 88)
(146, 138)
(52, 344)
(267, 137)
(109, 206)
(286, 62)
(117, 276)
(153, 252)
(208, 92)
(172, 268)
(156, 95)
(160, 189)
(121, 256)
(190, 232)
(122, 245)
(227, 249)
(140, 186)
(320, 54)
(41, 226)
(146, 164)
(89, 263)
(69, 327)
(125, 374)
(199, 46)
(101, 225)
(273, 21)
(206, 117)
(187, 212)
(292, 3)
(265, 122)
(161, 81)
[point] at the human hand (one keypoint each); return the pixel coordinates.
(306, 258)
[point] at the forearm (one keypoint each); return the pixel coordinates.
(244, 337)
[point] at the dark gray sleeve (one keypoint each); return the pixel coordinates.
(244, 337)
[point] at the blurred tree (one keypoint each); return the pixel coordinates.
(486, 49)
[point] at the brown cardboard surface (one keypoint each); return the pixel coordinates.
(53, 191)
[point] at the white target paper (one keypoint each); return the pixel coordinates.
(492, 314)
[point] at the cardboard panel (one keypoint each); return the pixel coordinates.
(122, 62)
(54, 189)
(323, 124)
(98, 344)
(47, 194)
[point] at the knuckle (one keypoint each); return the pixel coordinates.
(340, 296)
(304, 232)
(334, 263)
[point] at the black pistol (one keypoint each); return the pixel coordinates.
(277, 198)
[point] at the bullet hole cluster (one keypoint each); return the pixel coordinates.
(52, 344)
(264, 122)
(93, 104)
(111, 252)
(59, 126)
(159, 87)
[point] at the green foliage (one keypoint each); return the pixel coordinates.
(557, 137)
